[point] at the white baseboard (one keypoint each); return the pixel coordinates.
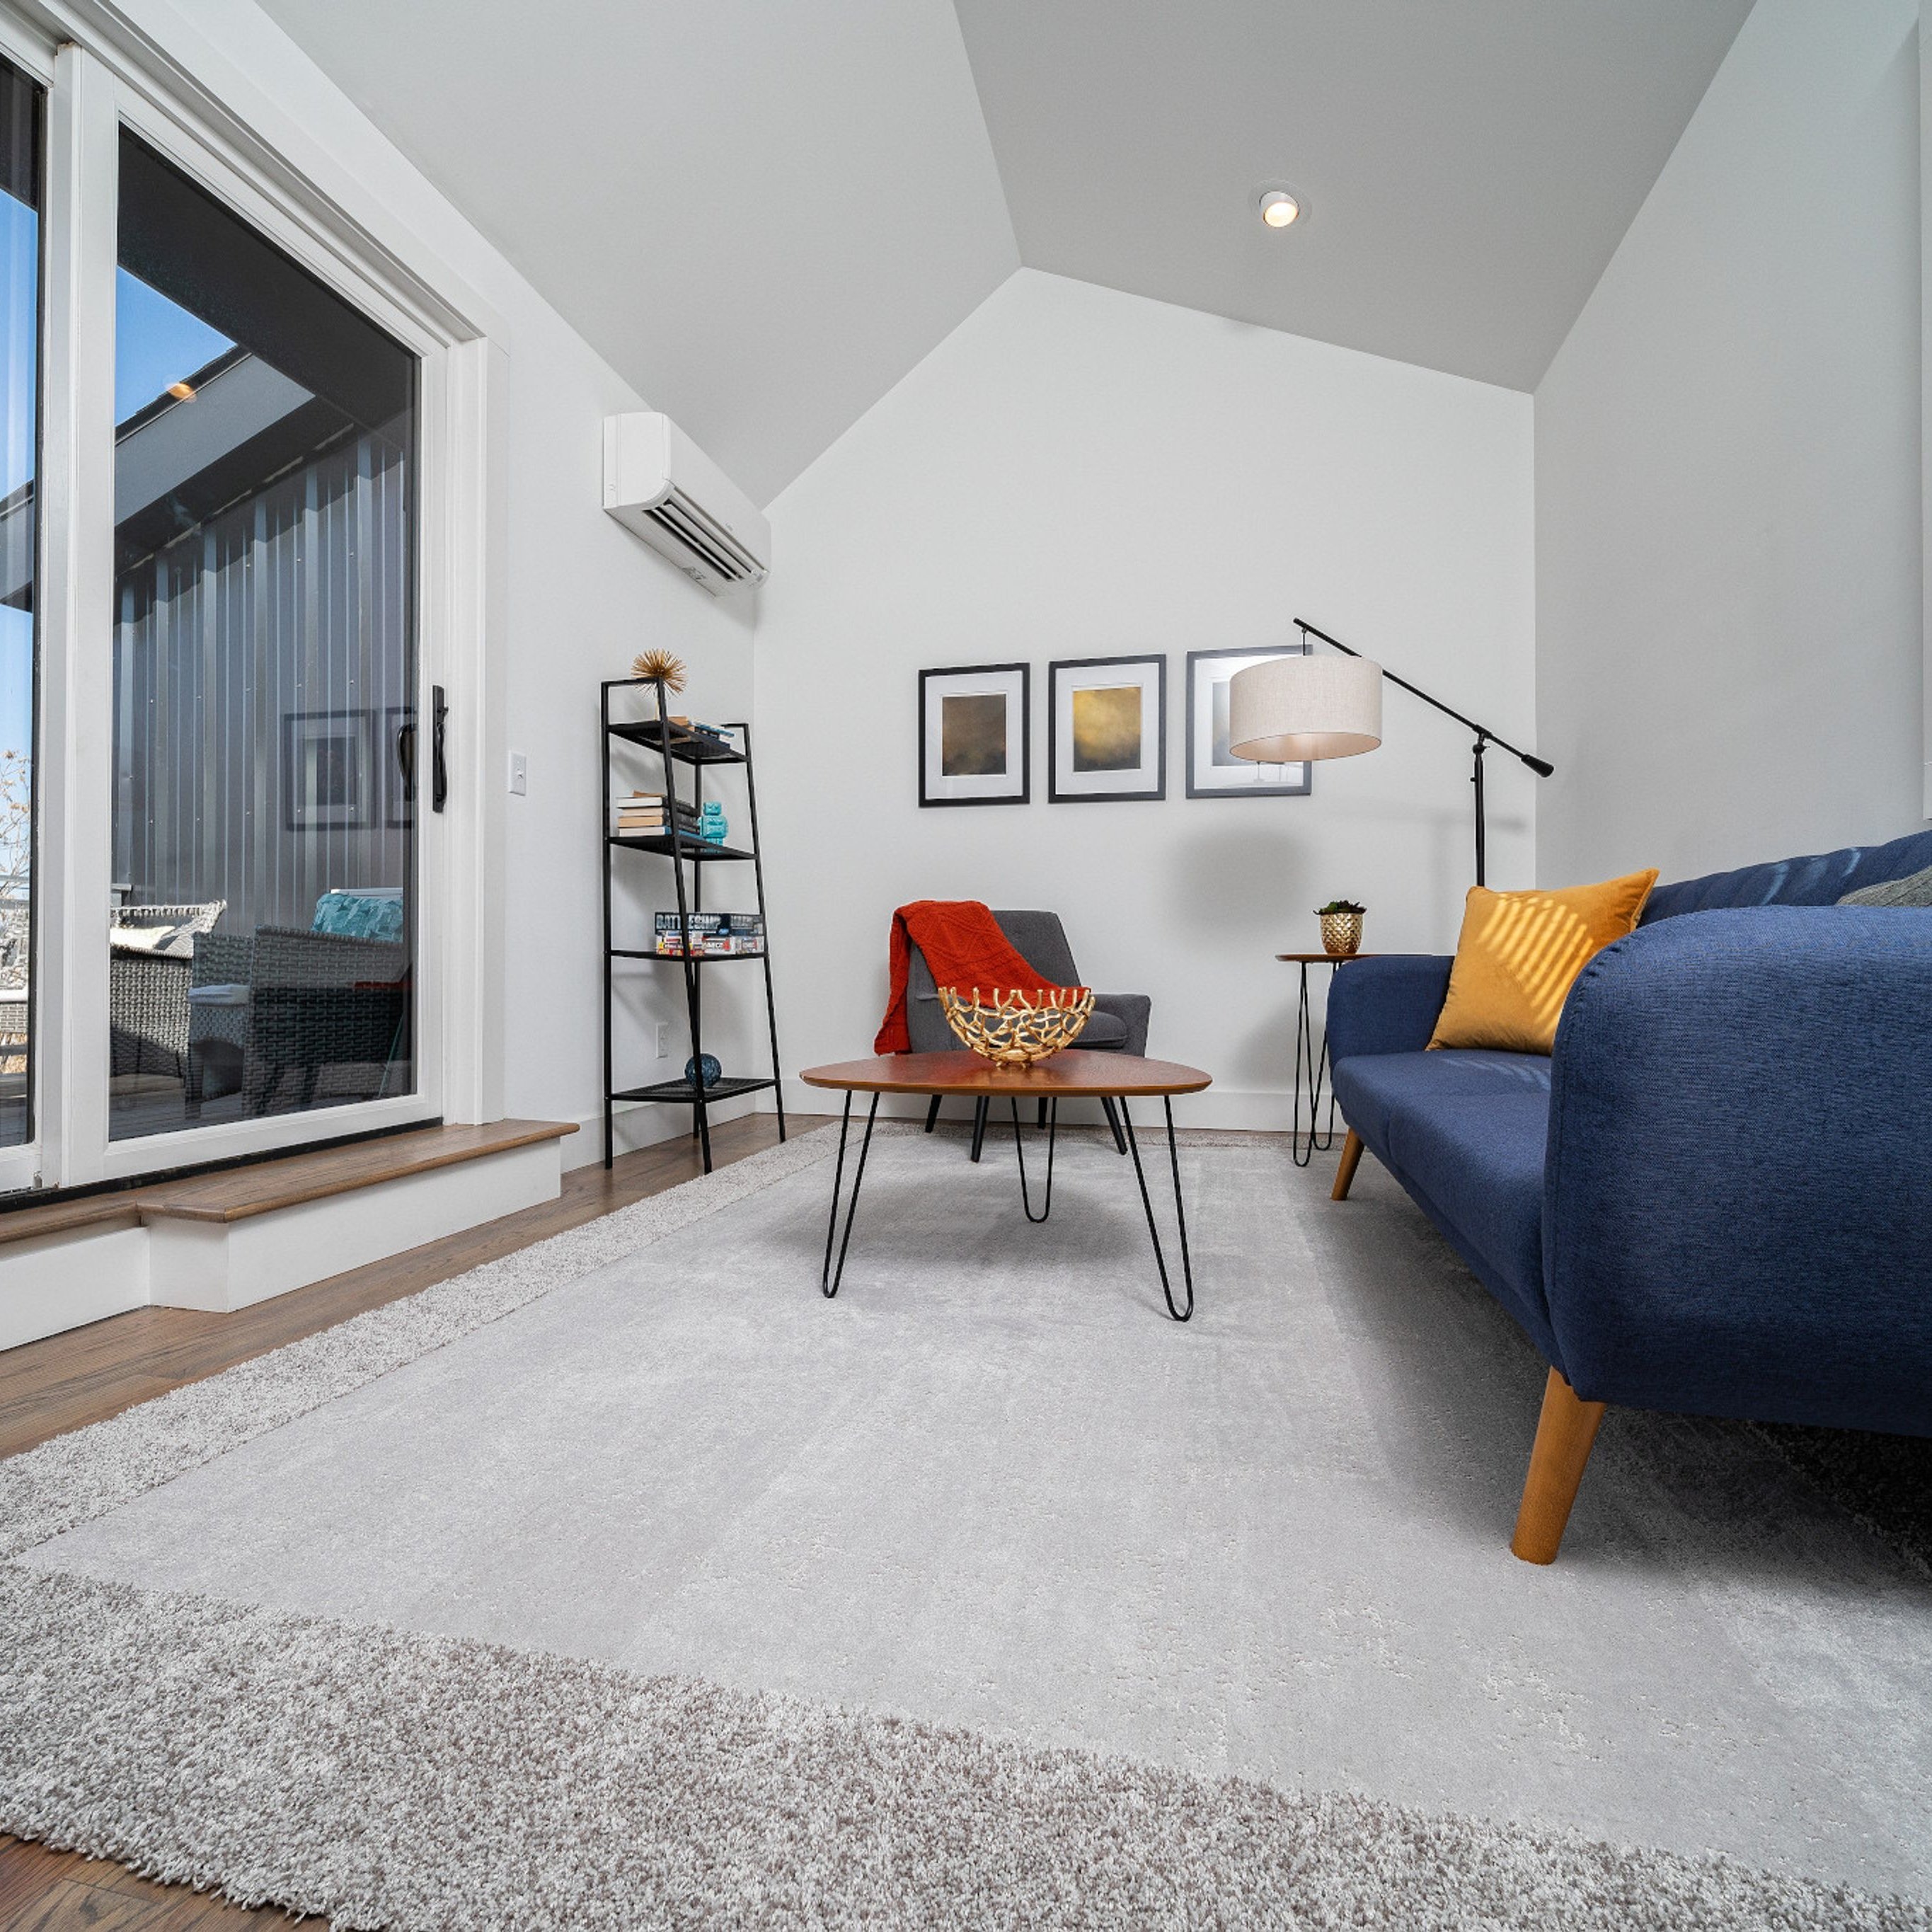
(643, 1123)
(63, 1281)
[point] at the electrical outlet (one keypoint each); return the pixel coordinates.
(664, 1040)
(519, 774)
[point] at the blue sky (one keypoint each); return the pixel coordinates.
(156, 342)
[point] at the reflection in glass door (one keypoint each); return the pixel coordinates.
(262, 934)
(20, 149)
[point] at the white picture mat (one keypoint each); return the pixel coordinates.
(1244, 775)
(1008, 784)
(1145, 776)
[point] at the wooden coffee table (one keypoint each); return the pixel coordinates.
(1073, 1074)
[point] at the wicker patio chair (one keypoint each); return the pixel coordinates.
(320, 1000)
(147, 992)
(217, 1028)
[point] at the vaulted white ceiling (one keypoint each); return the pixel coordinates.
(764, 215)
(1469, 166)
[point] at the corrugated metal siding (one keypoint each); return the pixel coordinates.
(297, 600)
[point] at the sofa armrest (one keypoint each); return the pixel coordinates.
(1738, 1193)
(1386, 1005)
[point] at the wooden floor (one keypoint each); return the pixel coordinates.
(48, 1387)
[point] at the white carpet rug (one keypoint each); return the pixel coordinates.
(991, 1489)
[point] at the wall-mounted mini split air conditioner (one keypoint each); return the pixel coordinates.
(659, 483)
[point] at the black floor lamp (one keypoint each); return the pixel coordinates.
(1301, 706)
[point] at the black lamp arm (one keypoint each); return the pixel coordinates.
(1542, 767)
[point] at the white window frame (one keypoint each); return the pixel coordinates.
(100, 78)
(20, 1167)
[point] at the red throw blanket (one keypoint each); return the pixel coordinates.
(965, 947)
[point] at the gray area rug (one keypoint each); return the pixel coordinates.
(494, 1588)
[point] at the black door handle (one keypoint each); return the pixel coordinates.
(439, 766)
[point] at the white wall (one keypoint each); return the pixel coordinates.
(1727, 478)
(1078, 472)
(584, 596)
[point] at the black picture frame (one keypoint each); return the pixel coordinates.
(1057, 793)
(1021, 684)
(1259, 787)
(360, 810)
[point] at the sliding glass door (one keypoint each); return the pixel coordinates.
(22, 146)
(215, 405)
(262, 944)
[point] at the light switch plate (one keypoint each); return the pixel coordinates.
(519, 773)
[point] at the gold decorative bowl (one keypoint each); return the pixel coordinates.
(1015, 1028)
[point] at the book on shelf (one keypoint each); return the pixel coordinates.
(742, 924)
(646, 814)
(710, 734)
(710, 946)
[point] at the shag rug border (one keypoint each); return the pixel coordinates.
(390, 1778)
(386, 1778)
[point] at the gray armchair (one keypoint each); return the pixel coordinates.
(1118, 1024)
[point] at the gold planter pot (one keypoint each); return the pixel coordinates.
(1341, 934)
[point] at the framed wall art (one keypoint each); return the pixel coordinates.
(1213, 770)
(974, 735)
(1106, 729)
(330, 778)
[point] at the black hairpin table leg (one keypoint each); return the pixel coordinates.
(1180, 1211)
(829, 1278)
(1316, 1059)
(1052, 1121)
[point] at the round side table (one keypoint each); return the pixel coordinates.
(1314, 1058)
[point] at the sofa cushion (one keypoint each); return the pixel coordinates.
(349, 914)
(1823, 879)
(1475, 1160)
(1464, 1130)
(1371, 1086)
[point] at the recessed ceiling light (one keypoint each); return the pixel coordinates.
(1279, 209)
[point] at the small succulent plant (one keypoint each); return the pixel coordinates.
(1339, 905)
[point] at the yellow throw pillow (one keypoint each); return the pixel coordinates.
(1520, 954)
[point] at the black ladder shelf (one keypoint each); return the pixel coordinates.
(688, 853)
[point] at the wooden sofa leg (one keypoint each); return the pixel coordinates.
(1351, 1159)
(1565, 1434)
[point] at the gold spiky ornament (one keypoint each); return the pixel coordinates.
(662, 666)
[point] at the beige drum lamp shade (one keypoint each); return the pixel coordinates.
(1302, 706)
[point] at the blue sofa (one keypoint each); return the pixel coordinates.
(1715, 1197)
